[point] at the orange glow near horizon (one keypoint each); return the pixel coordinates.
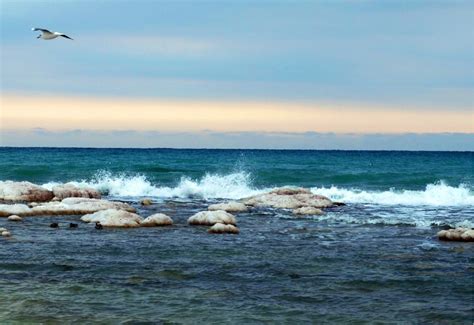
(62, 113)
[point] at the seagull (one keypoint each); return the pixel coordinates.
(47, 35)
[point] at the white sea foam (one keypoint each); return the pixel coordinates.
(439, 194)
(422, 208)
(239, 185)
(232, 186)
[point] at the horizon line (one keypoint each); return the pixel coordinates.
(231, 149)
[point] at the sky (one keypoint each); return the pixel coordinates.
(393, 75)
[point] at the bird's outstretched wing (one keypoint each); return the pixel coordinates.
(65, 36)
(41, 30)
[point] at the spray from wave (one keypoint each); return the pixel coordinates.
(232, 186)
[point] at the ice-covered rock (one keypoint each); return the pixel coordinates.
(114, 218)
(210, 218)
(14, 218)
(6, 233)
(157, 220)
(220, 228)
(23, 192)
(72, 206)
(70, 190)
(2, 229)
(68, 206)
(14, 209)
(229, 207)
(458, 234)
(307, 211)
(290, 191)
(288, 198)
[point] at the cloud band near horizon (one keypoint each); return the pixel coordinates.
(65, 113)
(237, 140)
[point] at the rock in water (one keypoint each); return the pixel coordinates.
(3, 229)
(6, 233)
(23, 192)
(14, 218)
(157, 220)
(70, 190)
(458, 234)
(210, 218)
(229, 207)
(68, 206)
(288, 198)
(14, 209)
(291, 191)
(308, 211)
(146, 202)
(76, 206)
(114, 218)
(220, 228)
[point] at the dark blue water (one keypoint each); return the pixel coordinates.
(362, 169)
(377, 259)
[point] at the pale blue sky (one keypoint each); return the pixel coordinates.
(390, 53)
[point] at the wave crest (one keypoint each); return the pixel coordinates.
(239, 185)
(232, 186)
(439, 194)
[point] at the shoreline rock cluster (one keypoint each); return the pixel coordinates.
(11, 191)
(22, 199)
(68, 206)
(125, 219)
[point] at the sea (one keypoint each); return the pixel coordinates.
(375, 259)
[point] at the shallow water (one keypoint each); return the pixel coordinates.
(279, 269)
(359, 263)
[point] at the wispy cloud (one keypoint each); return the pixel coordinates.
(145, 45)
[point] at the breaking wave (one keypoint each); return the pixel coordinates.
(439, 194)
(232, 186)
(239, 185)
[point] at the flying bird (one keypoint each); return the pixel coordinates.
(47, 35)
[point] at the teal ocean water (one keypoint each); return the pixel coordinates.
(376, 259)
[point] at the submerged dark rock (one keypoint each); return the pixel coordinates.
(146, 202)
